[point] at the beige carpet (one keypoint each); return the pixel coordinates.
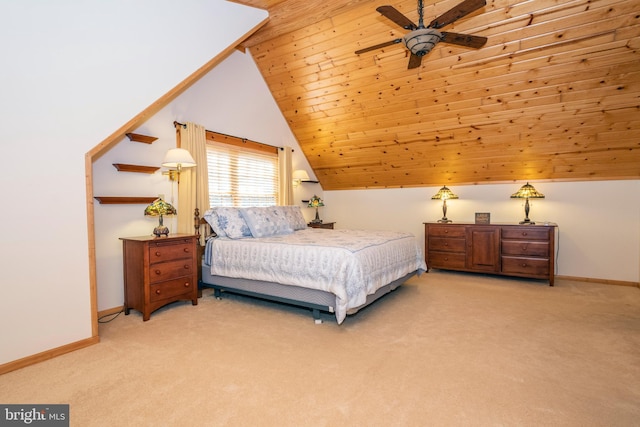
(446, 349)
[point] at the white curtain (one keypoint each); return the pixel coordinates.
(193, 190)
(285, 176)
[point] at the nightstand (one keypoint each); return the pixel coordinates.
(159, 271)
(328, 225)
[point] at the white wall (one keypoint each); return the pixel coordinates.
(232, 99)
(599, 221)
(73, 72)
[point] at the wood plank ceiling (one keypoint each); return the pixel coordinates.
(553, 95)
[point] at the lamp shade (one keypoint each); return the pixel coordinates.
(527, 191)
(422, 40)
(315, 202)
(159, 207)
(178, 158)
(444, 194)
(300, 174)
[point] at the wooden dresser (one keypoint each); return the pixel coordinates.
(506, 249)
(158, 271)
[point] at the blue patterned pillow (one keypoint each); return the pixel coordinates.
(294, 217)
(212, 219)
(232, 223)
(265, 222)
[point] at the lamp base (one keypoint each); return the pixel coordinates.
(445, 220)
(527, 221)
(160, 230)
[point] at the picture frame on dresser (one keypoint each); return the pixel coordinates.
(483, 218)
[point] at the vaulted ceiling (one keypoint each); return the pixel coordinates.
(553, 95)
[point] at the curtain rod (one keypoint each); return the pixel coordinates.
(184, 126)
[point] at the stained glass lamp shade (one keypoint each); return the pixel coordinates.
(160, 208)
(527, 192)
(444, 194)
(316, 202)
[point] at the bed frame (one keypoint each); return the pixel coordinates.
(313, 299)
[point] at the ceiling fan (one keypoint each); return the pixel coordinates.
(422, 39)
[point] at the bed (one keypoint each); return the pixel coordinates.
(270, 253)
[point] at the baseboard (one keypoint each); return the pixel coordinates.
(603, 281)
(110, 311)
(46, 355)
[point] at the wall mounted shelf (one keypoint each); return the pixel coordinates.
(119, 200)
(309, 181)
(122, 167)
(141, 138)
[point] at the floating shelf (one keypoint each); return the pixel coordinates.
(135, 168)
(141, 138)
(118, 200)
(309, 181)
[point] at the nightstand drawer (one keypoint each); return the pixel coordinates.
(164, 252)
(171, 289)
(170, 270)
(525, 266)
(525, 248)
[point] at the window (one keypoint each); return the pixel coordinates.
(241, 177)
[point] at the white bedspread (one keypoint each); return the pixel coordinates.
(348, 263)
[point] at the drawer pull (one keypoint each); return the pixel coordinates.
(524, 248)
(158, 272)
(524, 264)
(187, 284)
(187, 250)
(157, 253)
(187, 266)
(524, 233)
(157, 291)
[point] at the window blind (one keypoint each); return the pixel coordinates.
(241, 177)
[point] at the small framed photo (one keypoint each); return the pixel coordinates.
(483, 218)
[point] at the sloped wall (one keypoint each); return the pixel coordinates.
(75, 71)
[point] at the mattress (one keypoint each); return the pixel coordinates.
(351, 264)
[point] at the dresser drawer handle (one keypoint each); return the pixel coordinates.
(187, 284)
(524, 233)
(157, 253)
(158, 272)
(524, 247)
(187, 266)
(524, 264)
(187, 250)
(158, 291)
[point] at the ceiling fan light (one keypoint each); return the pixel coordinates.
(421, 41)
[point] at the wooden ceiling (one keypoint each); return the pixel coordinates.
(553, 95)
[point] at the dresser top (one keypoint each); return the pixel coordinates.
(500, 224)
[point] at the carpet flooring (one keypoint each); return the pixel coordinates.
(445, 349)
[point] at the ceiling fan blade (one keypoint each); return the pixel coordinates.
(414, 61)
(463, 39)
(393, 14)
(457, 12)
(378, 46)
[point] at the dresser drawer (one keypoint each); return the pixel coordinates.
(171, 289)
(163, 252)
(525, 266)
(525, 233)
(446, 260)
(446, 231)
(447, 245)
(525, 248)
(170, 270)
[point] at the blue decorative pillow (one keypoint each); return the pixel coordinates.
(212, 219)
(264, 222)
(294, 217)
(232, 223)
